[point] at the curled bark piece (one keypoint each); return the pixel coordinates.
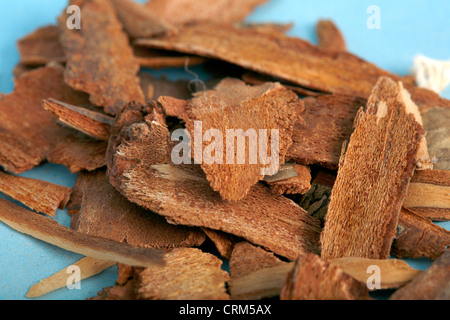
(137, 20)
(299, 184)
(432, 284)
(104, 212)
(110, 82)
(314, 278)
(419, 237)
(88, 266)
(255, 112)
(189, 274)
(429, 194)
(178, 12)
(42, 196)
(393, 273)
(330, 37)
(382, 152)
(139, 167)
(92, 123)
(50, 231)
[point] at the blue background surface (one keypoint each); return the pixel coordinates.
(408, 27)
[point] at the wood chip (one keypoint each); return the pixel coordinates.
(89, 267)
(137, 20)
(105, 213)
(50, 231)
(42, 196)
(110, 82)
(429, 194)
(178, 12)
(418, 237)
(223, 241)
(432, 284)
(299, 184)
(183, 195)
(330, 37)
(29, 134)
(188, 274)
(393, 273)
(314, 278)
(94, 124)
(233, 105)
(382, 152)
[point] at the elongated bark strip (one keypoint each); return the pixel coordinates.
(92, 123)
(314, 278)
(419, 237)
(373, 178)
(105, 213)
(50, 231)
(88, 266)
(140, 168)
(110, 82)
(189, 274)
(432, 284)
(330, 37)
(42, 196)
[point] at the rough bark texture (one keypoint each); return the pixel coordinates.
(299, 184)
(373, 178)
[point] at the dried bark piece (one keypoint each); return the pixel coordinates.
(438, 135)
(172, 107)
(247, 258)
(330, 37)
(393, 273)
(89, 266)
(178, 12)
(260, 284)
(329, 122)
(41, 47)
(233, 105)
(299, 184)
(110, 82)
(432, 284)
(42, 196)
(156, 59)
(223, 241)
(28, 132)
(382, 152)
(139, 167)
(189, 274)
(271, 28)
(94, 124)
(105, 213)
(429, 194)
(314, 278)
(419, 237)
(50, 231)
(137, 20)
(290, 59)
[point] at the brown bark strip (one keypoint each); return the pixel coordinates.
(89, 266)
(105, 213)
(50, 231)
(178, 12)
(330, 37)
(28, 133)
(156, 59)
(382, 152)
(419, 237)
(94, 124)
(110, 82)
(432, 284)
(139, 167)
(224, 242)
(42, 196)
(299, 184)
(394, 273)
(314, 278)
(290, 59)
(237, 106)
(137, 20)
(189, 274)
